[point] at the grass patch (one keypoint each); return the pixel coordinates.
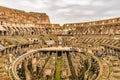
(118, 77)
(58, 69)
(116, 71)
(50, 36)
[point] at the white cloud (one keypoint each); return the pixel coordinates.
(64, 11)
(78, 2)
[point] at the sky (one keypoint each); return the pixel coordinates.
(68, 11)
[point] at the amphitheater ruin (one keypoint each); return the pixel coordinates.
(32, 48)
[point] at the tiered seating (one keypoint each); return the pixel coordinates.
(115, 68)
(104, 27)
(4, 68)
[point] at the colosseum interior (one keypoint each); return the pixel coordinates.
(31, 48)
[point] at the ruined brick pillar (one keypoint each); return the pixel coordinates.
(34, 64)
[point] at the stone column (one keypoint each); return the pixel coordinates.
(115, 52)
(27, 72)
(0, 53)
(10, 58)
(107, 49)
(34, 64)
(3, 52)
(118, 54)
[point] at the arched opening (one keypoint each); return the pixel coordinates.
(32, 33)
(5, 33)
(47, 77)
(1, 22)
(59, 54)
(0, 32)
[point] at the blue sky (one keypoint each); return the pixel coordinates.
(69, 11)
